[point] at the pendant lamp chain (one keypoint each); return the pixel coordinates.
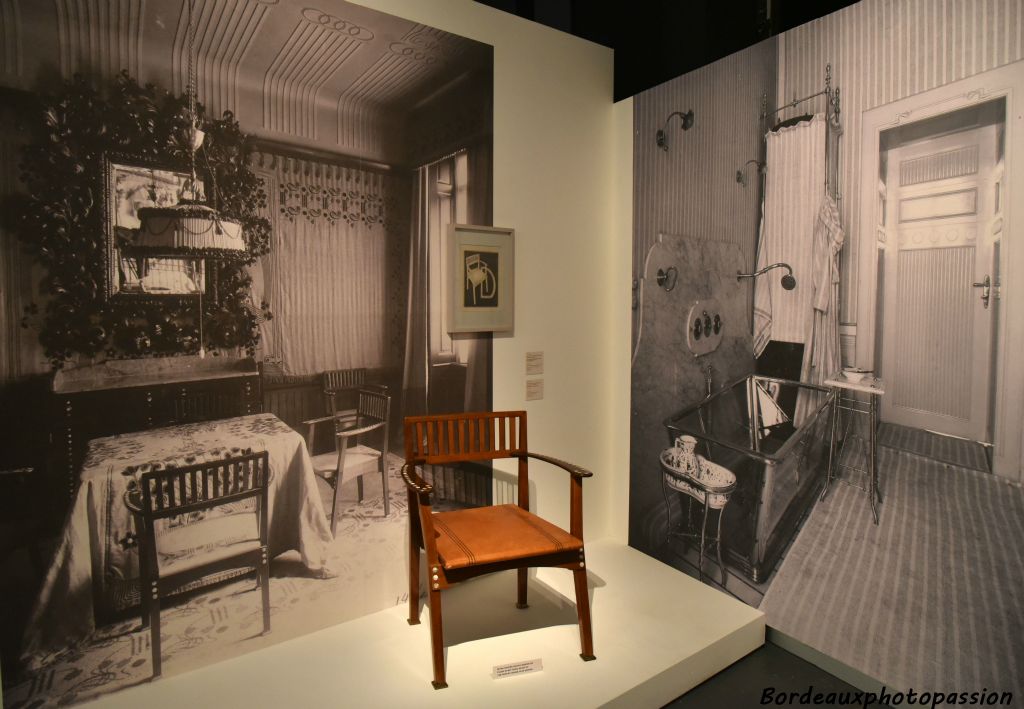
(190, 93)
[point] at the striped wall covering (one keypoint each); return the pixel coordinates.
(932, 598)
(691, 188)
(885, 50)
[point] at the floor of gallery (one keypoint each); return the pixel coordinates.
(743, 684)
(651, 647)
(645, 632)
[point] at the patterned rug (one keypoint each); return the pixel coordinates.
(932, 598)
(955, 451)
(368, 555)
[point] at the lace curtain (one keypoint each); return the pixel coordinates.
(326, 277)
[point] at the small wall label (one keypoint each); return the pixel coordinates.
(534, 389)
(512, 669)
(534, 363)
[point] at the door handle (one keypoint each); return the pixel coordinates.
(986, 289)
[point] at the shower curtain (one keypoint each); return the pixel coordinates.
(794, 186)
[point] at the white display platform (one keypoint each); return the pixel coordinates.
(657, 634)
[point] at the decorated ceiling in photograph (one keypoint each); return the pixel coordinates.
(335, 76)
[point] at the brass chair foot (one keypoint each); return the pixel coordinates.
(522, 605)
(588, 658)
(410, 621)
(440, 685)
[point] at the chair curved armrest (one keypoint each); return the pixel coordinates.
(575, 470)
(413, 480)
(349, 432)
(313, 422)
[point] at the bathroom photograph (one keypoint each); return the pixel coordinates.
(823, 413)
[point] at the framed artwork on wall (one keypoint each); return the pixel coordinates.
(481, 294)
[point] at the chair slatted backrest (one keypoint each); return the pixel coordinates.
(449, 438)
(374, 404)
(176, 491)
(338, 379)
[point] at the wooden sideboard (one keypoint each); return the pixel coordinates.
(132, 395)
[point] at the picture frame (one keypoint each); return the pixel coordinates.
(481, 284)
(130, 184)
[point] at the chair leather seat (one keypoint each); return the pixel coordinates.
(209, 540)
(483, 535)
(359, 460)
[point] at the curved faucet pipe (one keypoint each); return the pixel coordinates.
(788, 281)
(640, 296)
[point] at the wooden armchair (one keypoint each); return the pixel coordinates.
(337, 382)
(466, 543)
(351, 458)
(196, 524)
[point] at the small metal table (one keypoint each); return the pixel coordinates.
(845, 399)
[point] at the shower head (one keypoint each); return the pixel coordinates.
(686, 122)
(788, 281)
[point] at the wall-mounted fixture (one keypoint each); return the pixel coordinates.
(741, 174)
(667, 278)
(686, 122)
(704, 327)
(788, 282)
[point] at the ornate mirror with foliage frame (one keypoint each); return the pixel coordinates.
(128, 187)
(78, 136)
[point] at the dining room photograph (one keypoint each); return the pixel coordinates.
(224, 274)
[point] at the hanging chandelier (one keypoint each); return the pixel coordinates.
(190, 227)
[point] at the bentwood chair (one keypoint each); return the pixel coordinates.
(462, 544)
(202, 523)
(351, 457)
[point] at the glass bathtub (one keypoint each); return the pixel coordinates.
(748, 427)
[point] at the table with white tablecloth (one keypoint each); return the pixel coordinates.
(95, 571)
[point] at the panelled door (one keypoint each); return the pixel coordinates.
(939, 282)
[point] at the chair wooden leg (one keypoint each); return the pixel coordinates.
(144, 594)
(384, 484)
(264, 578)
(334, 504)
(154, 632)
(521, 584)
(359, 487)
(437, 640)
(414, 580)
(579, 577)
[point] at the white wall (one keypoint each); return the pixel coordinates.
(560, 180)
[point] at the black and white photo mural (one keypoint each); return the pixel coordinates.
(811, 432)
(223, 224)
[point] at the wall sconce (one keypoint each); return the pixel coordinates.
(686, 120)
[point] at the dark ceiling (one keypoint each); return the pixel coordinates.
(657, 40)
